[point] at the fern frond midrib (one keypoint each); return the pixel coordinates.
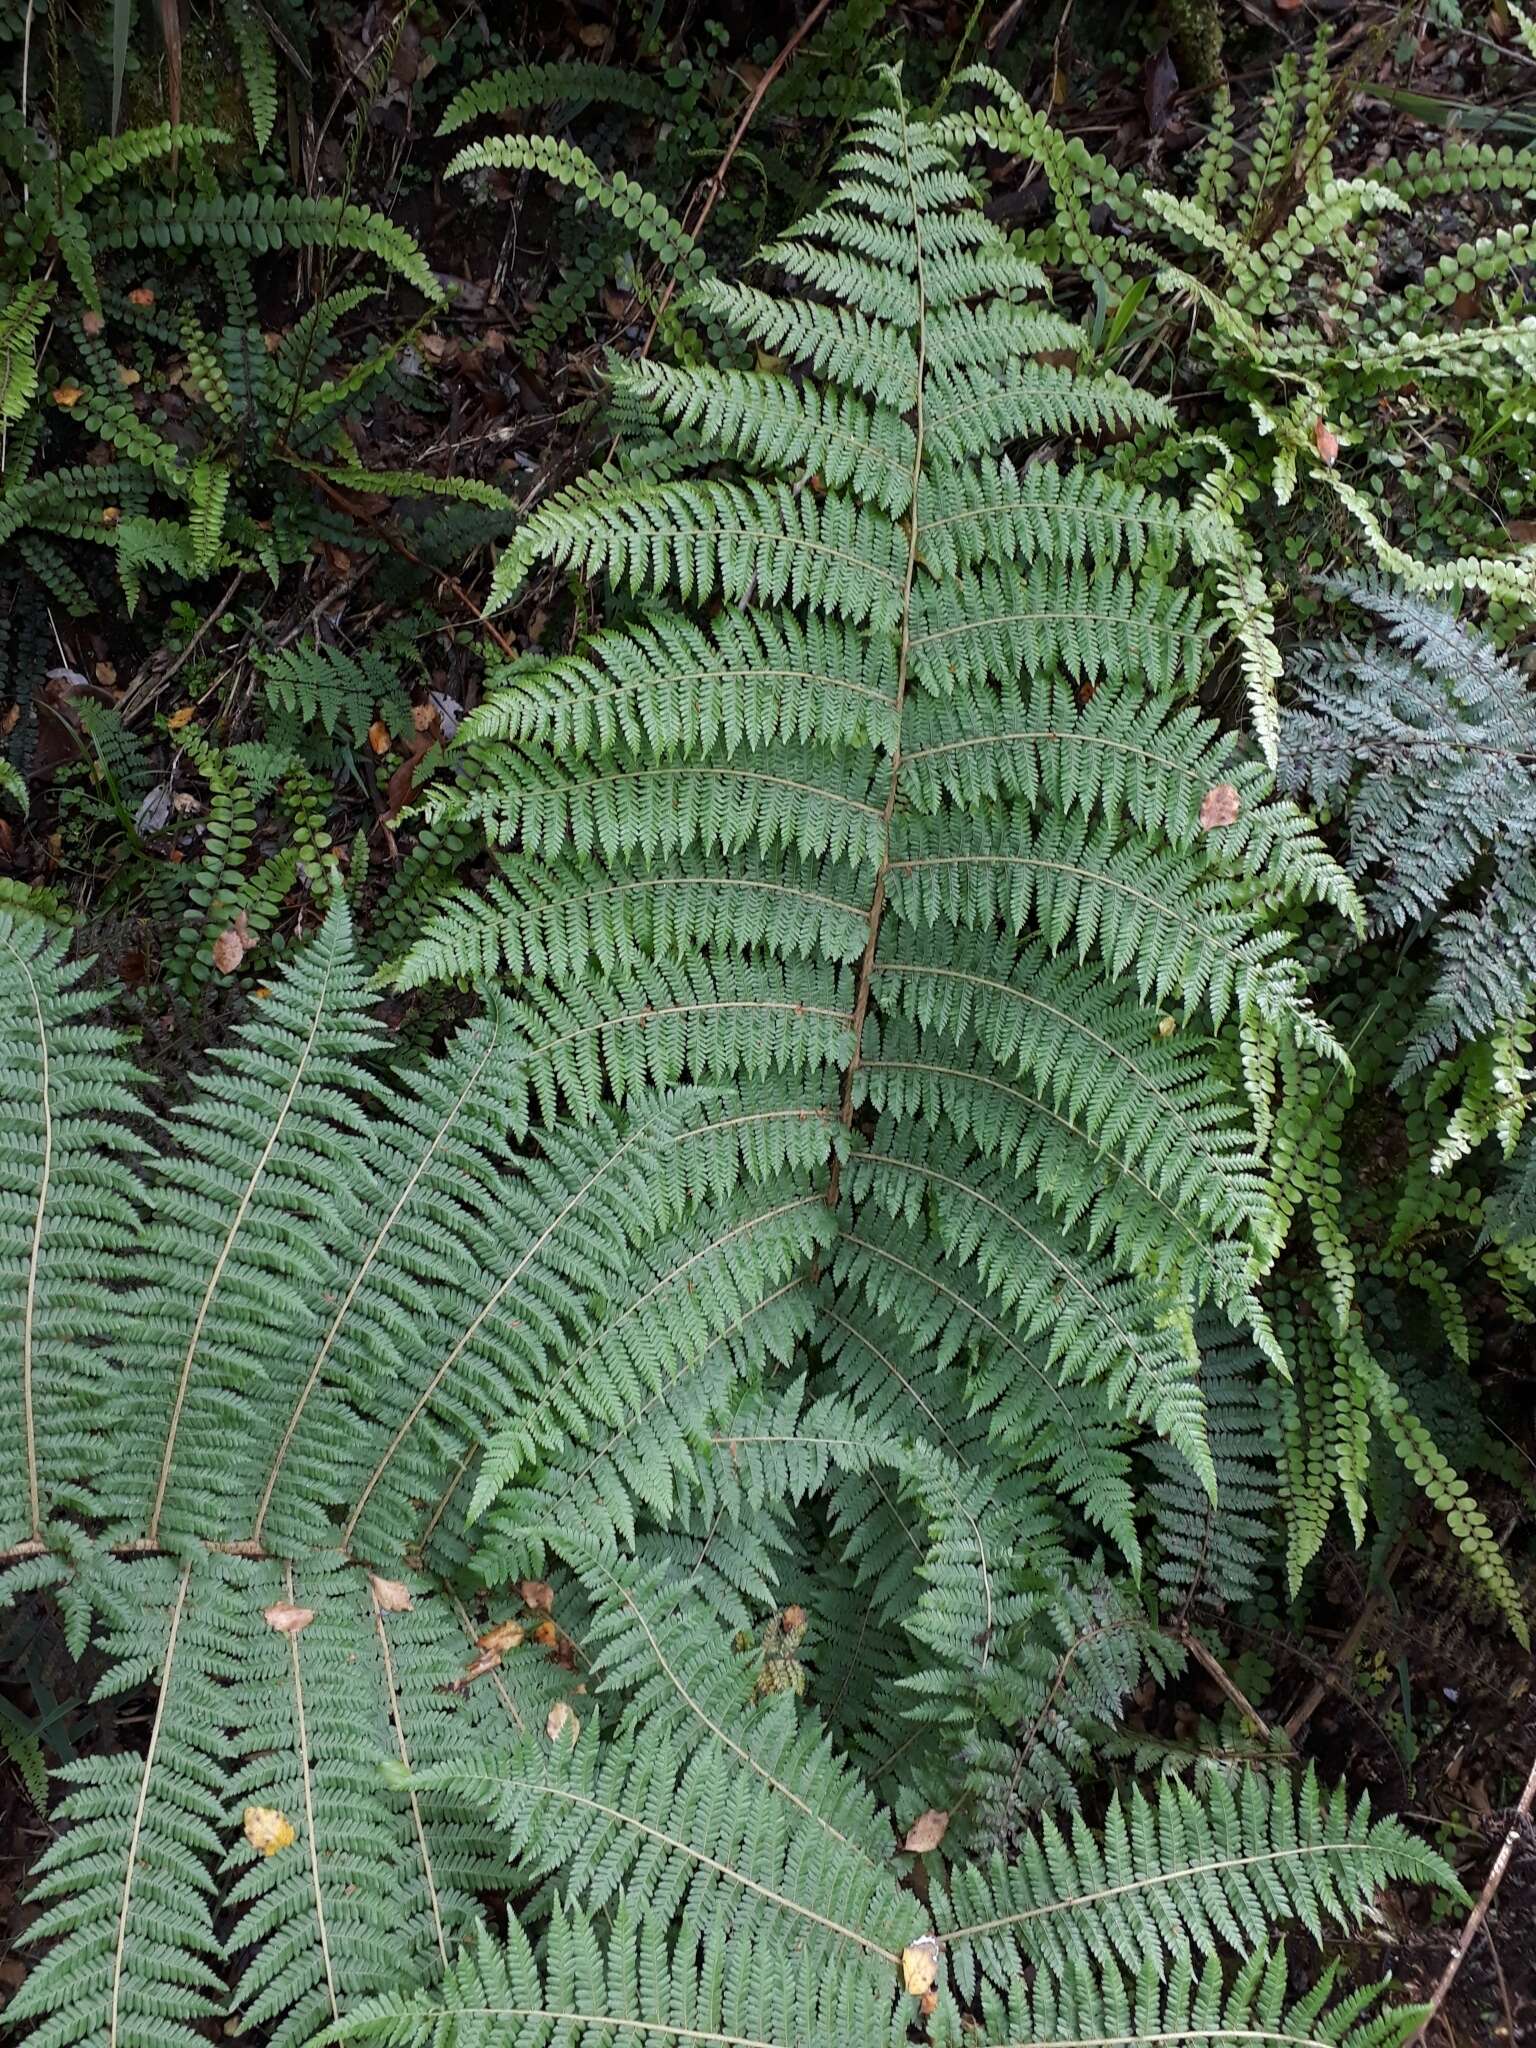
(993, 1328)
(151, 1754)
(1072, 1279)
(1122, 1166)
(34, 1254)
(306, 1773)
(1161, 1879)
(423, 1847)
(364, 1267)
(865, 983)
(542, 1788)
(248, 1194)
(726, 1741)
(972, 979)
(635, 1136)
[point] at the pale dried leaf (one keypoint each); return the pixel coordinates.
(562, 1716)
(287, 1620)
(267, 1830)
(926, 1832)
(1219, 806)
(392, 1596)
(537, 1595)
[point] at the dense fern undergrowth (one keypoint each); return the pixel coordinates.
(655, 1501)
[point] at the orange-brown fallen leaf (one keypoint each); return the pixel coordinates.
(1326, 441)
(537, 1595)
(183, 715)
(506, 1635)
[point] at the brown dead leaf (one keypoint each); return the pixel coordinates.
(423, 717)
(1326, 442)
(477, 1667)
(506, 1635)
(391, 1595)
(106, 674)
(926, 1832)
(111, 514)
(67, 395)
(592, 35)
(288, 1621)
(141, 295)
(546, 1635)
(1219, 806)
(401, 786)
(230, 947)
(378, 737)
(268, 1830)
(920, 1965)
(92, 323)
(537, 1595)
(928, 2004)
(562, 1716)
(184, 715)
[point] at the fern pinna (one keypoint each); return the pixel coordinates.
(688, 1432)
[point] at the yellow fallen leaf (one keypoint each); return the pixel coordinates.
(267, 1830)
(67, 395)
(183, 716)
(920, 1965)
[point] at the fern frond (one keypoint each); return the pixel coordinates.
(70, 1213)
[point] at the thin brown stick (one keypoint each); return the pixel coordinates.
(141, 691)
(708, 196)
(1479, 1913)
(1296, 1721)
(398, 547)
(1213, 1667)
